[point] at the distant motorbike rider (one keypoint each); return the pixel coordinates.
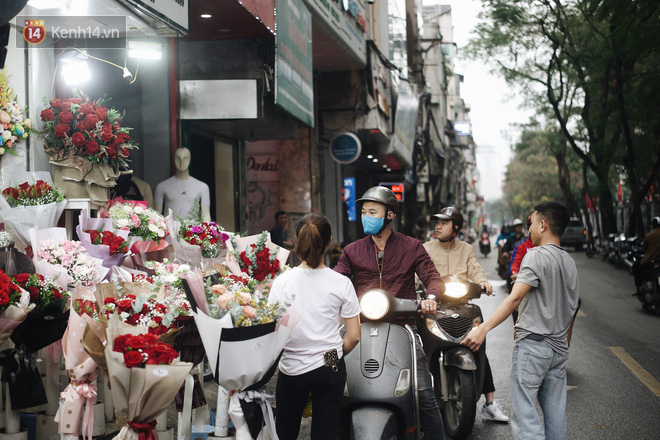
(514, 239)
(507, 250)
(651, 249)
(389, 260)
(454, 257)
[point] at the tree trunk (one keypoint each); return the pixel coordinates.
(606, 205)
(585, 196)
(564, 177)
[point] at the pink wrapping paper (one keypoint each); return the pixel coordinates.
(82, 370)
(51, 270)
(99, 251)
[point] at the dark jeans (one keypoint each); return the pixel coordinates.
(291, 394)
(429, 412)
(489, 385)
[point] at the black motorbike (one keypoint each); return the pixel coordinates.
(381, 399)
(632, 252)
(458, 372)
(650, 294)
(484, 244)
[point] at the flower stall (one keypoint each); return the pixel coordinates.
(133, 324)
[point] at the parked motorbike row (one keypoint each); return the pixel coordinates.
(380, 399)
(623, 253)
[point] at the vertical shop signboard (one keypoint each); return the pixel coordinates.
(349, 198)
(294, 91)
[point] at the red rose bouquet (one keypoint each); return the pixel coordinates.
(144, 378)
(146, 310)
(80, 127)
(14, 306)
(40, 193)
(43, 291)
(115, 243)
(144, 349)
(257, 256)
(44, 325)
(29, 201)
(102, 241)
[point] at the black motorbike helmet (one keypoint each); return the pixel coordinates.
(453, 214)
(655, 222)
(380, 194)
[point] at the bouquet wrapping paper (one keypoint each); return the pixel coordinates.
(99, 251)
(243, 359)
(140, 394)
(243, 242)
(80, 395)
(55, 270)
(20, 219)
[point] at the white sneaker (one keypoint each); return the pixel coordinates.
(494, 412)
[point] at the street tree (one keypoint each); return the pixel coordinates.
(571, 59)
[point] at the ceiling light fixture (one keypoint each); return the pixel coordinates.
(46, 4)
(145, 50)
(206, 16)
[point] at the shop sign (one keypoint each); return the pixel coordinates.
(173, 13)
(263, 167)
(397, 188)
(346, 20)
(294, 91)
(345, 148)
(349, 198)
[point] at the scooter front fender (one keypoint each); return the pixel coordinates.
(460, 357)
(374, 423)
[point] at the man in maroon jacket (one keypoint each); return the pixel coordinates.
(389, 260)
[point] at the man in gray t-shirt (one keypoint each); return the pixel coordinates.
(549, 307)
(547, 292)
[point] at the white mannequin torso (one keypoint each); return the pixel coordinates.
(179, 192)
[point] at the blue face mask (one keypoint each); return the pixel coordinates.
(372, 225)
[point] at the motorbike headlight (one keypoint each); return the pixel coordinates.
(374, 304)
(455, 290)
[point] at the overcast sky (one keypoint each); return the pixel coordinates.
(494, 106)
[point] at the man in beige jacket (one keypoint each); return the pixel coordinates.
(454, 257)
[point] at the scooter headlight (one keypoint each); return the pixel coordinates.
(374, 304)
(455, 290)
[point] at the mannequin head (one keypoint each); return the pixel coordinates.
(182, 159)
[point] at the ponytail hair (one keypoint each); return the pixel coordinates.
(313, 235)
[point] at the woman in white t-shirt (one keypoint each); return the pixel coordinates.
(313, 356)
